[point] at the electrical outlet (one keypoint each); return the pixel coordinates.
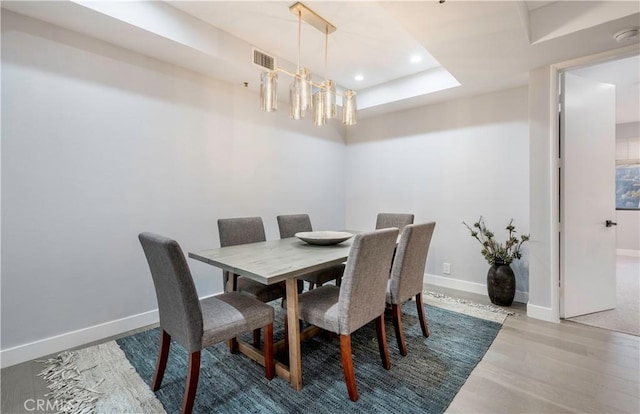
(446, 268)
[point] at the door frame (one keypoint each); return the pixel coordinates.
(556, 184)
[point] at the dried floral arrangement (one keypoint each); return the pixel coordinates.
(494, 252)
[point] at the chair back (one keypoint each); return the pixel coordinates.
(386, 220)
(241, 230)
(364, 283)
(407, 272)
(178, 303)
(291, 224)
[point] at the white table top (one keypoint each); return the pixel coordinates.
(275, 260)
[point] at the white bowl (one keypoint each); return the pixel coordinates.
(324, 238)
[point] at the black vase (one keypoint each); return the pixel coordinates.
(501, 284)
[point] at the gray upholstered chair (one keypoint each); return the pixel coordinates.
(359, 299)
(244, 230)
(407, 274)
(291, 224)
(196, 324)
(398, 220)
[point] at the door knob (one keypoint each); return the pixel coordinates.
(610, 223)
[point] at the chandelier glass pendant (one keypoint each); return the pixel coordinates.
(302, 98)
(269, 91)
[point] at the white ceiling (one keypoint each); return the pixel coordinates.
(468, 47)
(366, 41)
(532, 5)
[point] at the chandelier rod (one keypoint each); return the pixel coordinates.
(326, 50)
(299, 34)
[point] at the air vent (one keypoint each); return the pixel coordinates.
(263, 60)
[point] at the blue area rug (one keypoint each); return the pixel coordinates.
(424, 381)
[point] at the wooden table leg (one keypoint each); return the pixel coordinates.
(295, 357)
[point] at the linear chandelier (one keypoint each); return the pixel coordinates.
(305, 94)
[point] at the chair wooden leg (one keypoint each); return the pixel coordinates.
(233, 345)
(396, 313)
(256, 338)
(269, 364)
(382, 342)
(234, 283)
(163, 355)
(192, 382)
(423, 319)
(347, 367)
(311, 285)
(229, 281)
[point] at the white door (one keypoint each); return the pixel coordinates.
(588, 245)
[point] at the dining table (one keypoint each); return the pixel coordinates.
(272, 262)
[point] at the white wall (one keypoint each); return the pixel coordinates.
(628, 148)
(99, 144)
(448, 162)
(543, 199)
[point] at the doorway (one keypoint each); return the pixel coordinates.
(624, 267)
(625, 316)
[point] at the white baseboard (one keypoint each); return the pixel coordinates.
(464, 285)
(543, 313)
(628, 252)
(38, 349)
(59, 343)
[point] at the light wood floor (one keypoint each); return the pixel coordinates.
(532, 367)
(540, 367)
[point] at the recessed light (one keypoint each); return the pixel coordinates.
(358, 77)
(626, 35)
(416, 59)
